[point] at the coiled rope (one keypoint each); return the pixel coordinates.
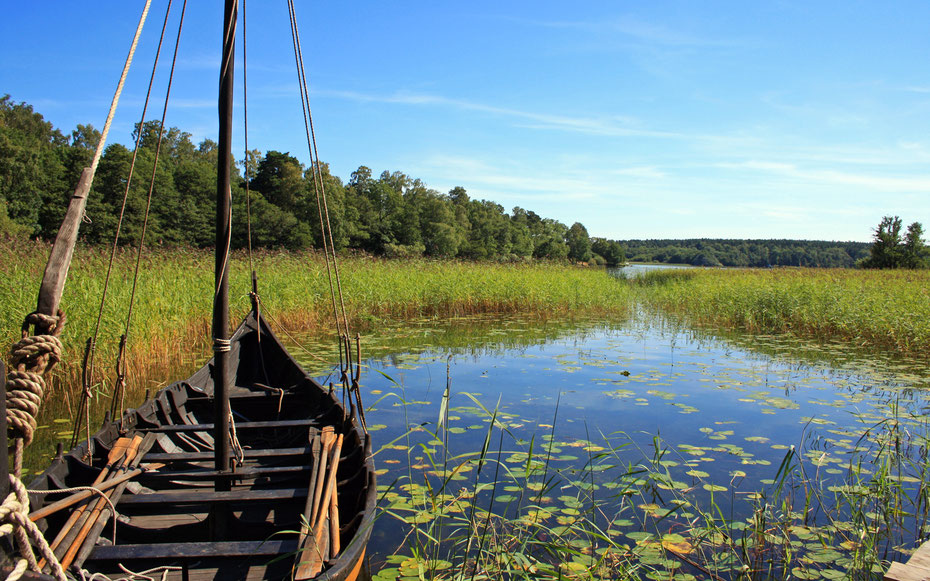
(31, 358)
(15, 522)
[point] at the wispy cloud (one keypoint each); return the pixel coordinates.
(638, 30)
(917, 183)
(614, 125)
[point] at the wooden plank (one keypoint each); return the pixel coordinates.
(921, 557)
(238, 473)
(239, 426)
(901, 572)
(187, 496)
(203, 456)
(193, 550)
(59, 261)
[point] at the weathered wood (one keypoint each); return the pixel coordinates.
(917, 567)
(91, 539)
(202, 456)
(239, 473)
(194, 550)
(908, 572)
(85, 534)
(921, 557)
(187, 496)
(79, 496)
(314, 436)
(239, 426)
(117, 453)
(59, 261)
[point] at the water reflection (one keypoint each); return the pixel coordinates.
(725, 407)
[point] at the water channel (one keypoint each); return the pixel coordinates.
(644, 428)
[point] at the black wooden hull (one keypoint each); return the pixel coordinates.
(174, 517)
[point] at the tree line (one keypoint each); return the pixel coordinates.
(755, 253)
(391, 214)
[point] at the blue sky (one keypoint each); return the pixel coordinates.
(639, 119)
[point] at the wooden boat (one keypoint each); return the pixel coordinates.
(166, 515)
(248, 469)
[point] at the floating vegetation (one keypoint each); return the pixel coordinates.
(793, 470)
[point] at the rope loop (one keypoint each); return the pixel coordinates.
(15, 521)
(54, 323)
(222, 345)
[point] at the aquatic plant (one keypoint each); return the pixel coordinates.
(885, 309)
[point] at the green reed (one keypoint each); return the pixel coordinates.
(889, 309)
(171, 313)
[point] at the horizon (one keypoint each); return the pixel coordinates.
(659, 122)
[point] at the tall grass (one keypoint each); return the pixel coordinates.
(887, 309)
(171, 319)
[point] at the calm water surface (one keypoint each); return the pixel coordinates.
(604, 395)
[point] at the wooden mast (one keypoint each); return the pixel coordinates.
(223, 203)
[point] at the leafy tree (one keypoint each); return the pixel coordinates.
(279, 178)
(886, 246)
(610, 250)
(579, 243)
(31, 168)
(890, 250)
(915, 251)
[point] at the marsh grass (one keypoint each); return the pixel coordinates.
(170, 326)
(887, 309)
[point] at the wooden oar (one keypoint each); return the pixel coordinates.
(327, 438)
(79, 496)
(334, 543)
(90, 542)
(95, 513)
(116, 455)
(313, 555)
(314, 437)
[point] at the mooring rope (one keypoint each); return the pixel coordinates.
(14, 520)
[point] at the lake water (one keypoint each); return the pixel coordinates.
(711, 420)
(638, 269)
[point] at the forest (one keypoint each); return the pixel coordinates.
(757, 253)
(391, 214)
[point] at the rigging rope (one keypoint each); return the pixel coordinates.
(119, 387)
(326, 230)
(88, 374)
(245, 126)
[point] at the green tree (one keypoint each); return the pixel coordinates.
(889, 250)
(579, 243)
(610, 250)
(914, 254)
(31, 167)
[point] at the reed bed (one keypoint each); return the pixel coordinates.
(888, 309)
(170, 323)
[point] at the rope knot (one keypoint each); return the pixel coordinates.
(54, 323)
(222, 345)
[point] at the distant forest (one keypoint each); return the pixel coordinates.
(759, 253)
(392, 215)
